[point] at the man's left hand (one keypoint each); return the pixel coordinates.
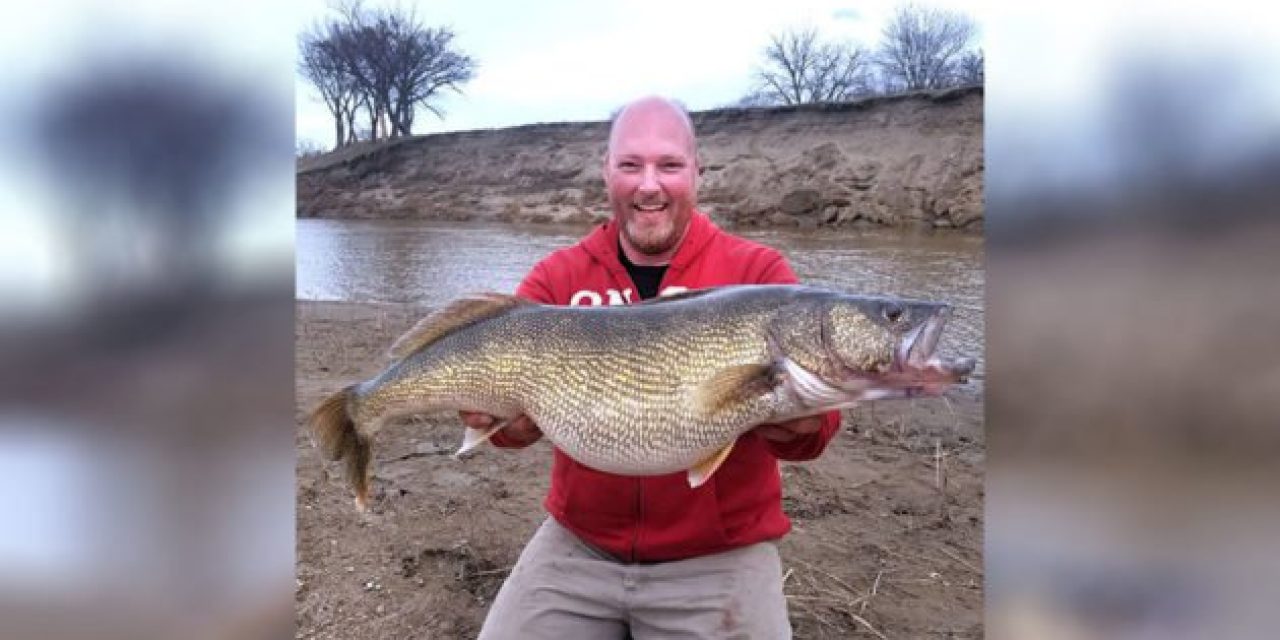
(790, 430)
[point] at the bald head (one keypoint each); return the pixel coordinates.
(654, 114)
(651, 176)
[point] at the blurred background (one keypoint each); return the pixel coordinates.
(1133, 305)
(146, 285)
(146, 228)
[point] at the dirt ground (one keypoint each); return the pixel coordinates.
(887, 524)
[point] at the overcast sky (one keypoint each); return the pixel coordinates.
(567, 60)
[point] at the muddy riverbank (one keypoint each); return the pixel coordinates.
(887, 523)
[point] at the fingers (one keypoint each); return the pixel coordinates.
(476, 420)
(776, 433)
(520, 428)
(804, 426)
(791, 429)
(523, 429)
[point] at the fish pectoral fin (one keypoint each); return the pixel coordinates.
(472, 438)
(731, 386)
(815, 393)
(701, 472)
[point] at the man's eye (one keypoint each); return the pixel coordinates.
(628, 166)
(672, 166)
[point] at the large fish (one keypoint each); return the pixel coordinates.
(646, 389)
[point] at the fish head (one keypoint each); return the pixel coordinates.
(887, 347)
(854, 348)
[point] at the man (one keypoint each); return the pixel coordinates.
(651, 556)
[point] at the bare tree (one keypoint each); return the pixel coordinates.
(384, 63)
(362, 46)
(800, 69)
(323, 66)
(400, 64)
(428, 64)
(921, 47)
(972, 68)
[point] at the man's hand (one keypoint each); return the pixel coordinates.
(790, 430)
(522, 430)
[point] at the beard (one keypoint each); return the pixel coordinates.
(651, 239)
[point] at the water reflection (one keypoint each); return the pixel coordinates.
(398, 261)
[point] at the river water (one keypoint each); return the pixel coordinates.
(414, 261)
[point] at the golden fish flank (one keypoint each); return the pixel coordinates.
(647, 389)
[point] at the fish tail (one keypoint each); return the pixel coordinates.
(336, 435)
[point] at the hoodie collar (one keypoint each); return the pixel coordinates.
(602, 244)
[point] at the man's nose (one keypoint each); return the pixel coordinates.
(649, 179)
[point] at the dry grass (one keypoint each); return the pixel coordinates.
(823, 597)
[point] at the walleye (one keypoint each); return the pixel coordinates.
(658, 387)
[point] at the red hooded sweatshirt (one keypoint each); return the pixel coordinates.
(660, 518)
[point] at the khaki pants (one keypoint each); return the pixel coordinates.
(562, 589)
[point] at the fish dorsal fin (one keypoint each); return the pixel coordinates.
(732, 385)
(456, 315)
(701, 472)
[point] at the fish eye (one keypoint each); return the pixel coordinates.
(892, 311)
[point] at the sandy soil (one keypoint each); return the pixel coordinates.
(887, 537)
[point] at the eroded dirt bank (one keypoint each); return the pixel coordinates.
(904, 161)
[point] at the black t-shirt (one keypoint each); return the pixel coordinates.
(646, 279)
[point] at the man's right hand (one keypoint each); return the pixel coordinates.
(522, 432)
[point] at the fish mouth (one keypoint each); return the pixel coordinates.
(917, 370)
(913, 368)
(917, 347)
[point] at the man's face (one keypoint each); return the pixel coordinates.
(651, 176)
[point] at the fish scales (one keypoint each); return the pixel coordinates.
(646, 366)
